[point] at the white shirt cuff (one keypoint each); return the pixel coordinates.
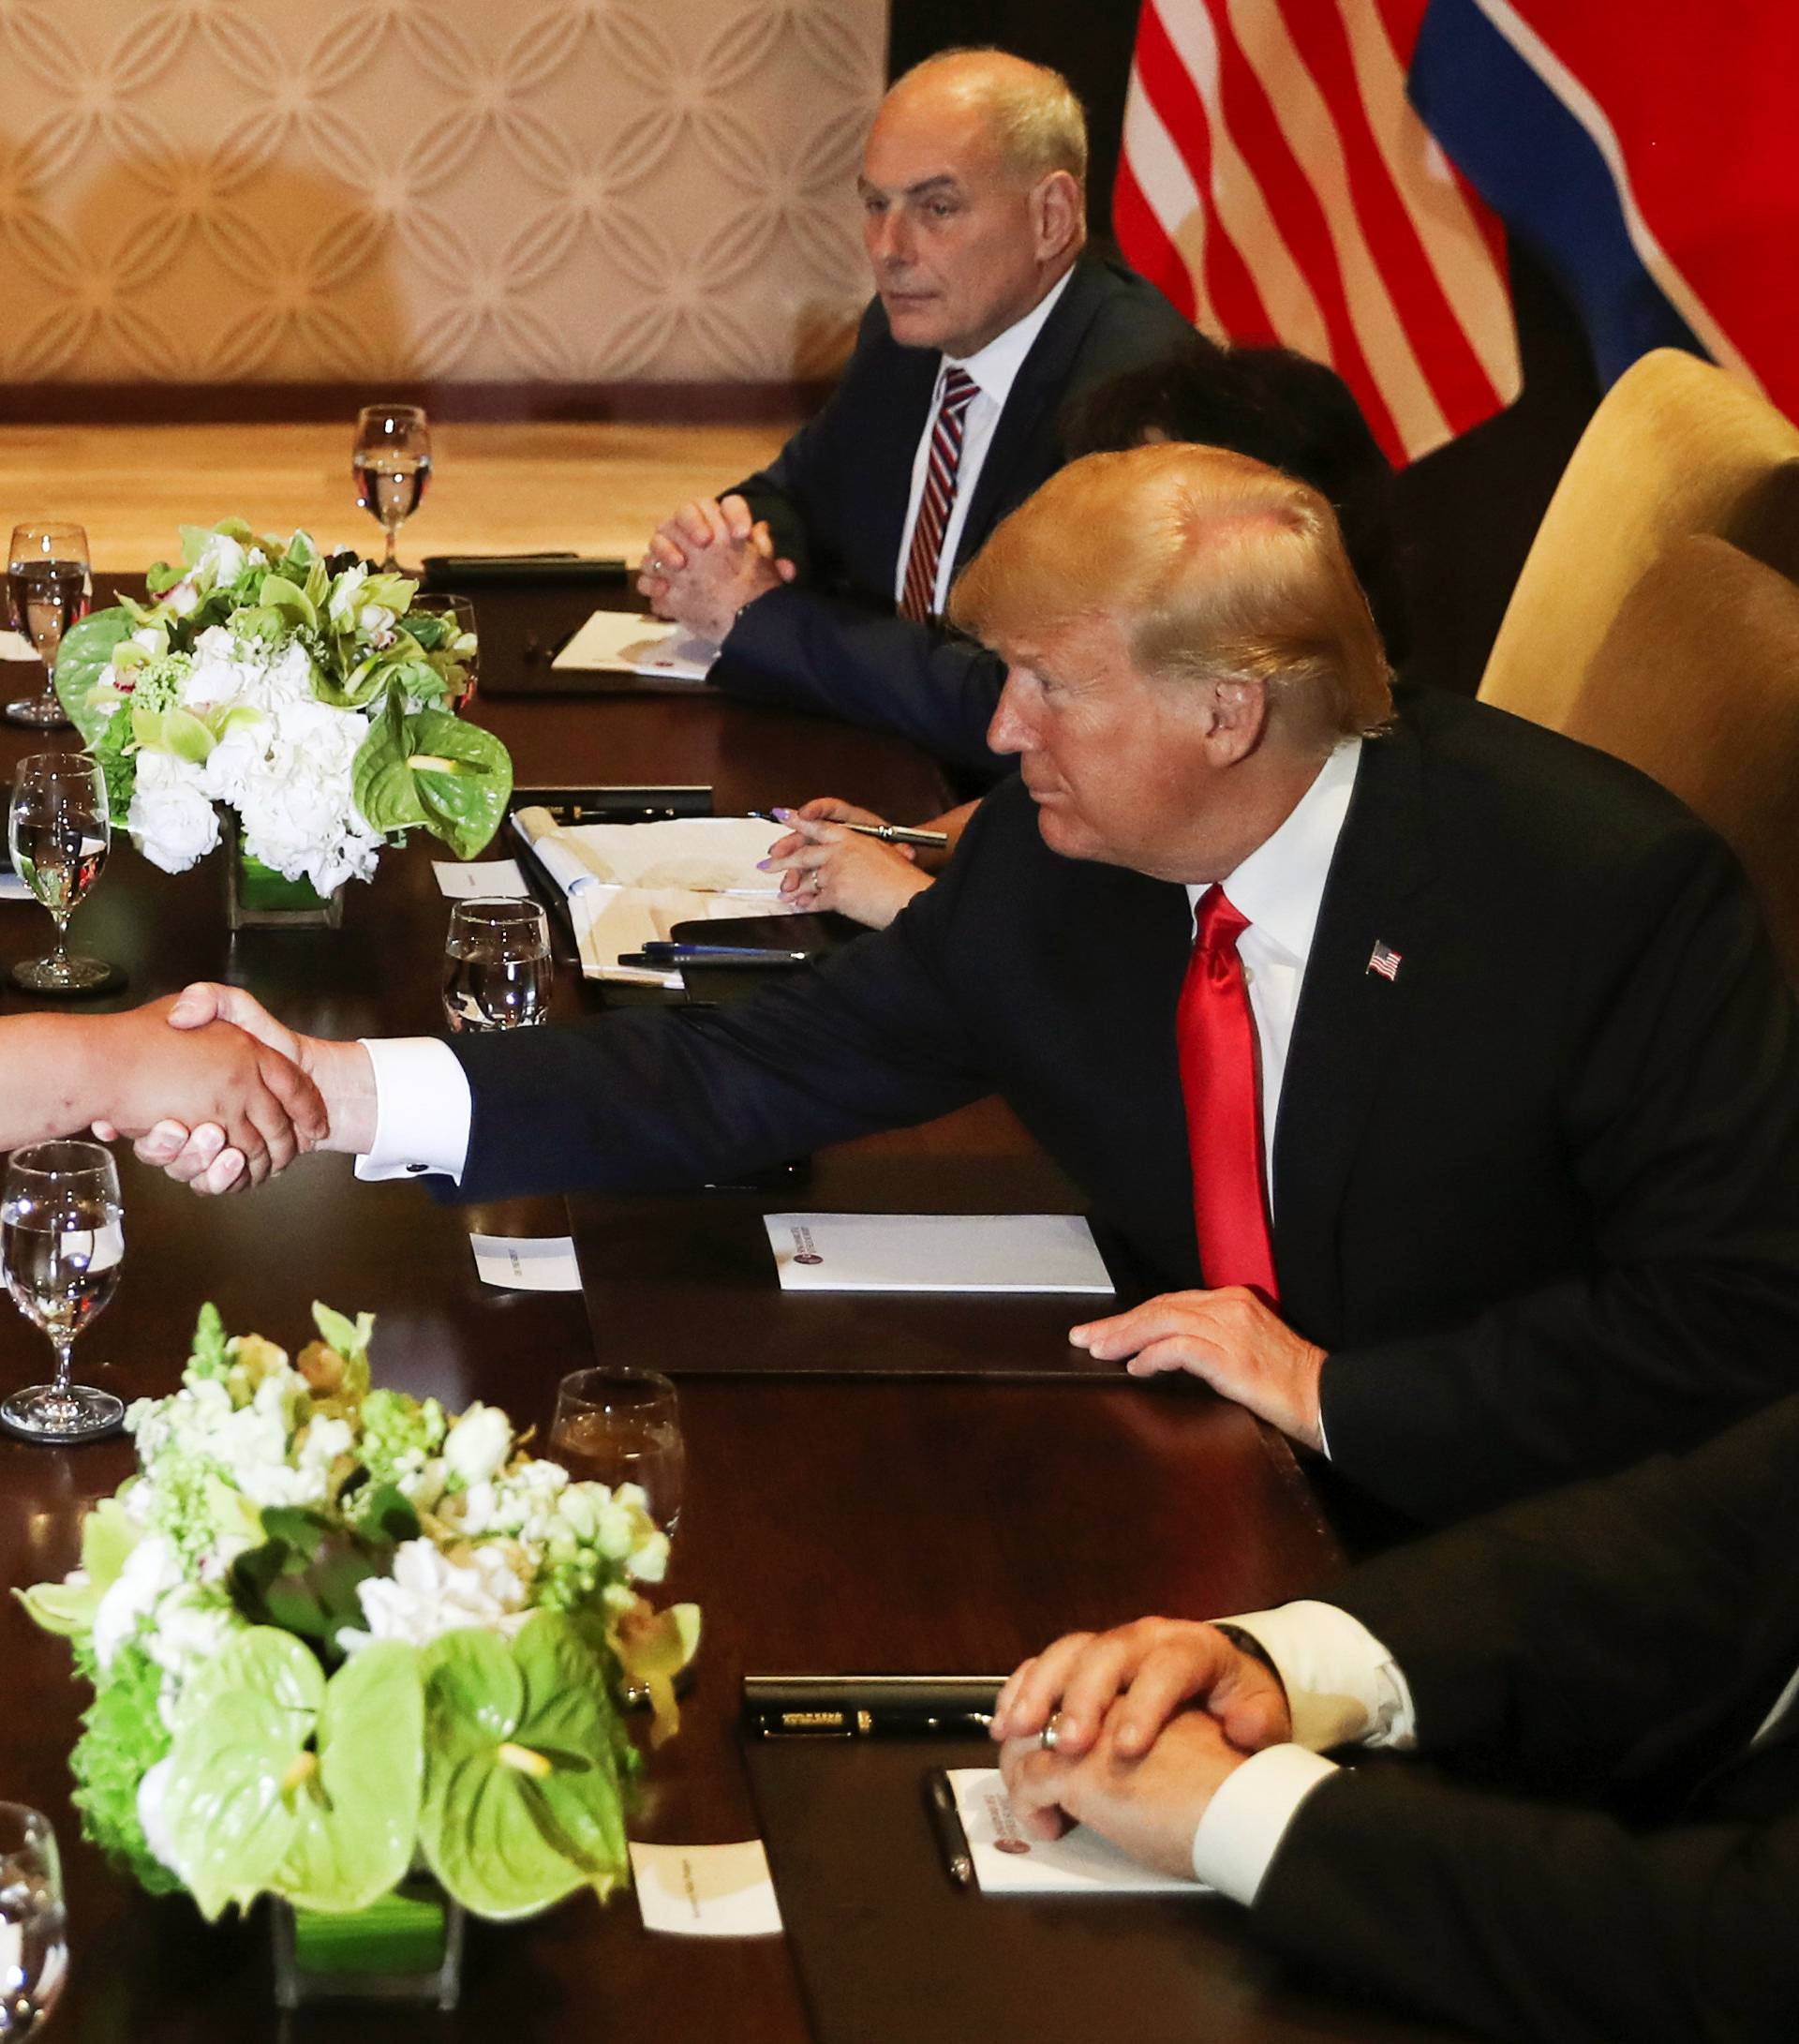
(423, 1109)
(1247, 1817)
(1342, 1686)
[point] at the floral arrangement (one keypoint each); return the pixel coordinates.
(334, 1632)
(304, 693)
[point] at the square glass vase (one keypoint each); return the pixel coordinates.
(257, 897)
(405, 1949)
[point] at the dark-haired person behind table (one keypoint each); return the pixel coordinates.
(63, 1074)
(1268, 403)
(1603, 1846)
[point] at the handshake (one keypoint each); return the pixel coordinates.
(207, 1086)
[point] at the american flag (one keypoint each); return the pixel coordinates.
(1320, 172)
(1277, 183)
(1385, 961)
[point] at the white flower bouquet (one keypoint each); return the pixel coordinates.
(307, 695)
(335, 1633)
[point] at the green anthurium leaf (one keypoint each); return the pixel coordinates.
(357, 1813)
(263, 1662)
(464, 778)
(85, 658)
(227, 1800)
(522, 1803)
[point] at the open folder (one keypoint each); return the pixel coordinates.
(628, 883)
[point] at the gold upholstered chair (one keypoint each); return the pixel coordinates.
(1676, 447)
(1696, 682)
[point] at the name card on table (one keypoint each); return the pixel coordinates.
(526, 1262)
(706, 1890)
(936, 1252)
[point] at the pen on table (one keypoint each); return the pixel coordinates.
(888, 833)
(947, 1827)
(659, 954)
(868, 1706)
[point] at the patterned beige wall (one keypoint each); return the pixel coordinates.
(566, 191)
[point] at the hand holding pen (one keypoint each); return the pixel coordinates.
(834, 856)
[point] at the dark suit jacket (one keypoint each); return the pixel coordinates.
(1607, 1654)
(1538, 1195)
(835, 498)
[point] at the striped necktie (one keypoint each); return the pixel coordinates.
(919, 600)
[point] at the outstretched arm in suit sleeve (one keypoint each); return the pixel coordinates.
(799, 649)
(1679, 1116)
(665, 1098)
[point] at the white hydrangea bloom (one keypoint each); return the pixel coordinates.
(151, 1794)
(171, 819)
(428, 1595)
(151, 1571)
(477, 1446)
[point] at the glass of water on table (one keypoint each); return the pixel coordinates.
(62, 1245)
(34, 1928)
(496, 966)
(622, 1425)
(49, 589)
(58, 830)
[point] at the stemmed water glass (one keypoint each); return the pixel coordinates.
(62, 1243)
(391, 464)
(59, 832)
(497, 968)
(34, 1928)
(49, 589)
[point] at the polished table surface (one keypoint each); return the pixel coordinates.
(848, 1522)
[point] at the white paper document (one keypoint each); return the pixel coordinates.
(936, 1252)
(526, 1262)
(1079, 1862)
(628, 883)
(706, 1890)
(616, 642)
(481, 879)
(12, 886)
(16, 646)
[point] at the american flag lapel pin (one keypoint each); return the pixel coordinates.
(1383, 960)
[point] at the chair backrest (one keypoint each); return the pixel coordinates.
(1697, 683)
(1676, 447)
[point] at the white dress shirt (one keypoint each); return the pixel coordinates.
(1343, 1688)
(1280, 888)
(994, 369)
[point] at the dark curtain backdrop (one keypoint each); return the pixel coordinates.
(1466, 513)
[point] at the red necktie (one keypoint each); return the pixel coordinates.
(1216, 1036)
(919, 598)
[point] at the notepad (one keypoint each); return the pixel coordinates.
(631, 883)
(618, 642)
(936, 1252)
(1079, 1862)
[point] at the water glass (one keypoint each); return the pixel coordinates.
(59, 830)
(34, 1927)
(390, 461)
(49, 589)
(496, 966)
(622, 1425)
(61, 1247)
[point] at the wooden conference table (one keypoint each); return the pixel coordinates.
(842, 1520)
